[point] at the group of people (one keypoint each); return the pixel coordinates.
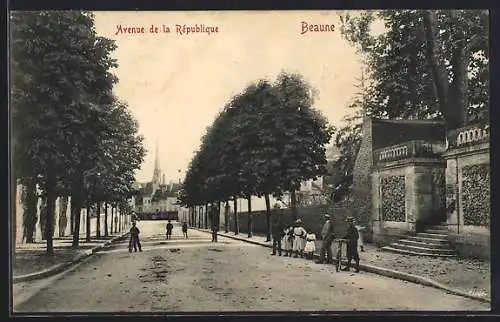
(170, 227)
(296, 241)
(135, 243)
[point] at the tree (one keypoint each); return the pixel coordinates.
(49, 101)
(68, 127)
(301, 133)
(426, 64)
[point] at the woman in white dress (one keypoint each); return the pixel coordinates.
(299, 241)
(310, 245)
(287, 241)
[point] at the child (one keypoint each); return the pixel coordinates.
(310, 245)
(287, 241)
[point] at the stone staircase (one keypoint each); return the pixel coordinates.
(432, 242)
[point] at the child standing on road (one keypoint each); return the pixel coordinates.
(169, 229)
(310, 245)
(185, 229)
(287, 241)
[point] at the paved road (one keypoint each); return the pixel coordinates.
(197, 275)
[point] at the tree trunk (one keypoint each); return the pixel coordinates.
(88, 228)
(206, 216)
(63, 219)
(98, 223)
(76, 213)
(29, 212)
(438, 71)
(268, 217)
(71, 219)
(236, 227)
(106, 232)
(43, 215)
(250, 217)
(49, 225)
(218, 214)
(119, 213)
(226, 217)
(460, 84)
(293, 203)
(112, 218)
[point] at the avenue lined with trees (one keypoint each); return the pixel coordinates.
(71, 136)
(266, 141)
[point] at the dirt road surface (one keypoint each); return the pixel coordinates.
(196, 275)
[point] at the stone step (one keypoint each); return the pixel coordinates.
(408, 252)
(425, 250)
(436, 231)
(424, 244)
(431, 235)
(426, 239)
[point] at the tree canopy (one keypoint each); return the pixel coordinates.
(266, 141)
(70, 134)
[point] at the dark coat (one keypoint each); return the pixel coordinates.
(352, 236)
(170, 227)
(134, 232)
(277, 230)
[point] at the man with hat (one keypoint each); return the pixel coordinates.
(352, 245)
(326, 245)
(277, 231)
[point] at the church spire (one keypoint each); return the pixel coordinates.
(156, 173)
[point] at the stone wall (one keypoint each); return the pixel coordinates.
(404, 200)
(468, 191)
(311, 216)
(379, 134)
(361, 187)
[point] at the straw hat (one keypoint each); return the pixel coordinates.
(350, 219)
(298, 221)
(326, 215)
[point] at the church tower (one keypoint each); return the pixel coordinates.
(157, 173)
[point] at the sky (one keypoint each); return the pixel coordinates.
(175, 84)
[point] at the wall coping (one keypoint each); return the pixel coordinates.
(467, 150)
(415, 161)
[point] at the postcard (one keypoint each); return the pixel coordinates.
(175, 162)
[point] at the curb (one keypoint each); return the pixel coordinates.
(56, 269)
(385, 272)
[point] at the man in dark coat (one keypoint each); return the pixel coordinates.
(326, 246)
(169, 229)
(352, 237)
(277, 232)
(134, 239)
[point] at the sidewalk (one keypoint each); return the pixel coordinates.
(31, 262)
(465, 277)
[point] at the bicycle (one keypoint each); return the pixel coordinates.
(339, 242)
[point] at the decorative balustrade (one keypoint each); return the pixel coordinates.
(468, 135)
(416, 148)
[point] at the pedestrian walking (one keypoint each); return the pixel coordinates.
(326, 246)
(215, 229)
(287, 241)
(310, 245)
(352, 237)
(169, 229)
(185, 230)
(134, 239)
(277, 234)
(299, 240)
